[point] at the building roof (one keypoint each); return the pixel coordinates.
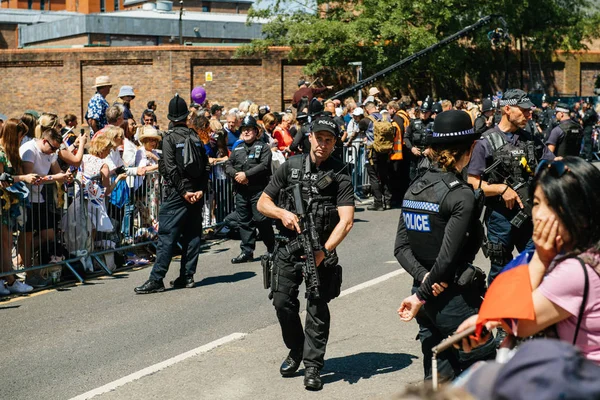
(230, 27)
(28, 17)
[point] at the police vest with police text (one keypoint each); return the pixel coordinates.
(421, 213)
(320, 202)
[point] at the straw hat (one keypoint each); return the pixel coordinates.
(102, 81)
(373, 91)
(148, 133)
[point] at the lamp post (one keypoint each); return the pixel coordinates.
(358, 65)
(180, 22)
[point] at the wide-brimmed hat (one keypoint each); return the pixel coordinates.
(126, 91)
(373, 91)
(102, 81)
(149, 132)
(451, 127)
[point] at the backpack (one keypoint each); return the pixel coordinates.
(384, 133)
(194, 157)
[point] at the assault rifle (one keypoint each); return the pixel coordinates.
(499, 173)
(308, 240)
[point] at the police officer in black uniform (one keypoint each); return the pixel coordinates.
(439, 234)
(565, 138)
(250, 167)
(328, 195)
(180, 214)
(416, 136)
(519, 154)
(547, 118)
(589, 119)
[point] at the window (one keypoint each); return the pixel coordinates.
(102, 5)
(116, 5)
(42, 4)
(206, 8)
(29, 4)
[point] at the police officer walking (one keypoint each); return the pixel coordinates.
(328, 197)
(184, 170)
(439, 234)
(565, 139)
(588, 120)
(416, 136)
(508, 144)
(250, 167)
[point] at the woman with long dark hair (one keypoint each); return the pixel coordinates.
(565, 267)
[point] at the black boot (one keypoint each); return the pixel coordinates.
(290, 365)
(242, 258)
(312, 379)
(150, 287)
(376, 207)
(183, 282)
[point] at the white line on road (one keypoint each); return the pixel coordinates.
(207, 347)
(157, 367)
(371, 282)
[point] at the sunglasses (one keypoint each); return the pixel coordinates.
(51, 145)
(555, 168)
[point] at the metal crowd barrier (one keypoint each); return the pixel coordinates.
(355, 156)
(69, 227)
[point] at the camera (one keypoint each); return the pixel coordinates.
(120, 170)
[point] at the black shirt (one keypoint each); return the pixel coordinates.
(344, 194)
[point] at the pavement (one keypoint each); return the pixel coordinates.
(218, 340)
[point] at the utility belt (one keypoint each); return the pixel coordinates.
(469, 277)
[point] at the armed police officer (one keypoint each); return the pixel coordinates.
(250, 167)
(565, 139)
(502, 165)
(416, 136)
(184, 170)
(439, 234)
(327, 198)
(548, 118)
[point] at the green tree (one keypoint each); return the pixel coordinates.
(381, 32)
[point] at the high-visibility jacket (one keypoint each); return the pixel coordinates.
(399, 140)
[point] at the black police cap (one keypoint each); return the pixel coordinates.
(178, 109)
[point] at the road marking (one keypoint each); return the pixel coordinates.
(391, 262)
(371, 282)
(160, 366)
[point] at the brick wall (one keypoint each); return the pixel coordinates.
(61, 80)
(8, 36)
(589, 72)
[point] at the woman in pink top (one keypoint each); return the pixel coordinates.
(566, 220)
(283, 136)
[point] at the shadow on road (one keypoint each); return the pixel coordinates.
(238, 276)
(8, 307)
(359, 366)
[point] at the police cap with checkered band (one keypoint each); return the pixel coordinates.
(516, 97)
(452, 127)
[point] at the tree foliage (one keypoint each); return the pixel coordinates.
(379, 33)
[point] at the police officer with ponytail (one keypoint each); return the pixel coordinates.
(327, 195)
(439, 234)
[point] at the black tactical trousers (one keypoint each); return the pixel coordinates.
(312, 340)
(178, 221)
(438, 319)
(250, 218)
(587, 143)
(377, 169)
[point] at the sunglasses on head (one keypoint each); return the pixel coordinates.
(555, 168)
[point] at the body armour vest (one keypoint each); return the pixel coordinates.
(419, 132)
(425, 222)
(571, 143)
(319, 193)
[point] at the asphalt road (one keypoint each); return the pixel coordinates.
(62, 343)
